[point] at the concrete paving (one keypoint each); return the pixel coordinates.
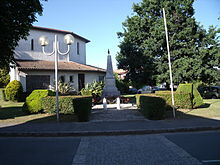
(126, 121)
(129, 150)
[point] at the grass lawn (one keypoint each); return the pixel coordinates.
(210, 109)
(11, 112)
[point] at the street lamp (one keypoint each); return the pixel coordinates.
(43, 41)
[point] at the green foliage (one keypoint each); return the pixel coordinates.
(65, 104)
(122, 85)
(143, 51)
(192, 90)
(16, 18)
(153, 107)
(33, 102)
(13, 91)
(181, 100)
(2, 94)
(94, 88)
(65, 88)
(137, 96)
(80, 105)
(4, 77)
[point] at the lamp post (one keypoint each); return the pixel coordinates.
(68, 40)
(169, 62)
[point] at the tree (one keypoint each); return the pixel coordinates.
(16, 18)
(4, 77)
(143, 50)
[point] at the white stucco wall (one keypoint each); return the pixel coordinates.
(89, 77)
(23, 50)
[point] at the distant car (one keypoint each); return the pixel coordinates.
(132, 91)
(145, 89)
(210, 92)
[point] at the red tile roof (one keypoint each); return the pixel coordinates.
(49, 65)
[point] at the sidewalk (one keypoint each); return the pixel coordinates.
(110, 122)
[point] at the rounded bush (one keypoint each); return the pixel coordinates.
(14, 90)
(33, 101)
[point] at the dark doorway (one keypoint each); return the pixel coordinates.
(81, 81)
(37, 82)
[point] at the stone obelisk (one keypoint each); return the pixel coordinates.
(110, 90)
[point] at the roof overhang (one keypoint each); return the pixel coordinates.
(60, 31)
(37, 65)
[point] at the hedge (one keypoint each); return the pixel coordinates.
(2, 94)
(33, 101)
(192, 90)
(139, 95)
(65, 104)
(80, 105)
(152, 107)
(181, 100)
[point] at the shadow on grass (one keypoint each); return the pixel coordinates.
(52, 118)
(205, 105)
(11, 112)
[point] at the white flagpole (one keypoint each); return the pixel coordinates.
(170, 69)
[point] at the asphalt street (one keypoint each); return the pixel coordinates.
(155, 149)
(205, 146)
(38, 150)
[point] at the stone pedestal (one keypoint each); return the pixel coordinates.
(110, 90)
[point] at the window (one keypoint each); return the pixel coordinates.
(62, 79)
(77, 47)
(32, 44)
(71, 79)
(101, 78)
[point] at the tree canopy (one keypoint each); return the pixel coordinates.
(143, 52)
(16, 18)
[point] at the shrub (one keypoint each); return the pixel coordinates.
(65, 104)
(139, 95)
(80, 105)
(33, 102)
(64, 88)
(122, 85)
(4, 77)
(152, 107)
(94, 89)
(182, 100)
(2, 94)
(192, 90)
(13, 91)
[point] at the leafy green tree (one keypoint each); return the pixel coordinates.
(16, 18)
(143, 50)
(4, 77)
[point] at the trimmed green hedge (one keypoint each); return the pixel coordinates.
(139, 95)
(182, 100)
(2, 94)
(80, 105)
(192, 90)
(152, 107)
(65, 104)
(33, 101)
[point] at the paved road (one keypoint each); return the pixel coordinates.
(205, 146)
(38, 151)
(165, 149)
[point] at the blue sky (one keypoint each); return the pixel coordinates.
(100, 20)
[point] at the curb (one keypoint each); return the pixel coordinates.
(106, 133)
